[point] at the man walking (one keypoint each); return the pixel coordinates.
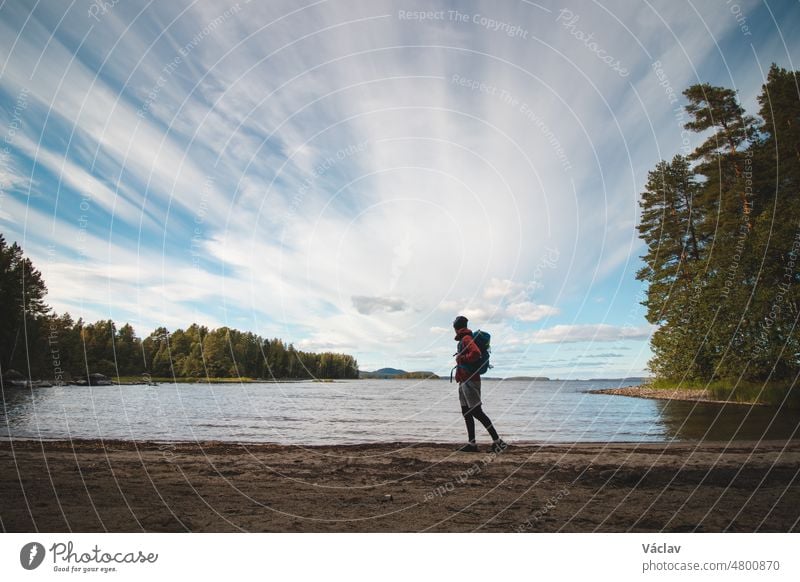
(469, 388)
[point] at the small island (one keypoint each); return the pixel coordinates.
(395, 374)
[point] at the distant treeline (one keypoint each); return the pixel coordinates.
(42, 345)
(722, 227)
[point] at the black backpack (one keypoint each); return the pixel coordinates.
(483, 340)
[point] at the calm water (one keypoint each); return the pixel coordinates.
(367, 411)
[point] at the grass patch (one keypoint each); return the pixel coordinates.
(772, 392)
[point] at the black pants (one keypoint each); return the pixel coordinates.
(470, 414)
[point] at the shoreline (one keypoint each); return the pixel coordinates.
(679, 394)
(212, 486)
(35, 384)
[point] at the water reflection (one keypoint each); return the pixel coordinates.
(724, 422)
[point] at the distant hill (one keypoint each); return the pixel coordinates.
(382, 373)
(394, 374)
(390, 372)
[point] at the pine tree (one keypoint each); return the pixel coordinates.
(22, 292)
(727, 205)
(674, 269)
(775, 344)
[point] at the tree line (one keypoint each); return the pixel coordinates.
(722, 228)
(41, 344)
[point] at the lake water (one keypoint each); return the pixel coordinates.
(370, 411)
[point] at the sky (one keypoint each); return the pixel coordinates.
(351, 175)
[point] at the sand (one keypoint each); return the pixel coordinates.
(83, 486)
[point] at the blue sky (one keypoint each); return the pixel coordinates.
(350, 176)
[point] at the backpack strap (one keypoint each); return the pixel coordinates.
(454, 369)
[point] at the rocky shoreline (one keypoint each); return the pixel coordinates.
(684, 394)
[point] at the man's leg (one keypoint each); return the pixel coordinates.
(477, 412)
(470, 422)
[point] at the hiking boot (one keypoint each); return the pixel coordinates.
(499, 446)
(468, 448)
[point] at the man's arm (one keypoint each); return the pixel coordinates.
(470, 353)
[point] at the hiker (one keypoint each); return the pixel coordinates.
(469, 387)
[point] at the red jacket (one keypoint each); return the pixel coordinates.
(468, 354)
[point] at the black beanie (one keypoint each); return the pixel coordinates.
(460, 322)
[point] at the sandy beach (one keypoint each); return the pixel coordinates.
(81, 486)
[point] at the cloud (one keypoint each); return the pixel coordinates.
(519, 310)
(399, 337)
(319, 344)
(529, 311)
(11, 179)
(449, 208)
(598, 332)
(501, 288)
(369, 305)
(419, 357)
